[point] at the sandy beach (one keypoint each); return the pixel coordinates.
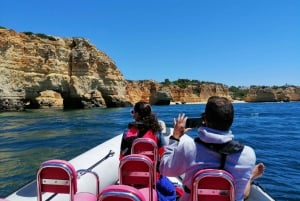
(179, 103)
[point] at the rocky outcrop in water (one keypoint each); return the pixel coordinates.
(160, 98)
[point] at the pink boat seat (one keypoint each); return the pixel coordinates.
(60, 177)
(121, 193)
(213, 185)
(137, 170)
(145, 146)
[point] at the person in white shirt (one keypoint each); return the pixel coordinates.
(186, 156)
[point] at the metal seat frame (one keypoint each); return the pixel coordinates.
(137, 170)
(213, 185)
(60, 177)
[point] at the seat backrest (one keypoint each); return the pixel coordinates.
(56, 176)
(60, 177)
(145, 146)
(121, 193)
(137, 170)
(213, 185)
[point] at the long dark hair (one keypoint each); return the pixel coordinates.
(146, 117)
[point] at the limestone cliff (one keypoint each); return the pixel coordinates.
(198, 93)
(142, 90)
(273, 94)
(41, 71)
(33, 66)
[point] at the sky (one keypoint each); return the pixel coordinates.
(233, 42)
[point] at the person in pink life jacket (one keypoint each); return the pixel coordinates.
(146, 125)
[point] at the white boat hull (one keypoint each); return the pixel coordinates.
(257, 193)
(107, 169)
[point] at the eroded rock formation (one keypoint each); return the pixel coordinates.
(71, 69)
(40, 71)
(142, 90)
(273, 94)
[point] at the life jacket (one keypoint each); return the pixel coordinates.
(132, 133)
(223, 149)
(165, 188)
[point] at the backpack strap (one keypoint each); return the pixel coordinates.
(126, 144)
(223, 160)
(223, 149)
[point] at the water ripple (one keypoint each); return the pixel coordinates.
(28, 138)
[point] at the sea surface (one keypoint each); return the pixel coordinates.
(30, 137)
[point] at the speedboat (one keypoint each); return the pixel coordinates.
(104, 160)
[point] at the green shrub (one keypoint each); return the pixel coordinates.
(41, 35)
(238, 93)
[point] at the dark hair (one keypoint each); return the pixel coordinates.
(143, 109)
(219, 113)
(146, 116)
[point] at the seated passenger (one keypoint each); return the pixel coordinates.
(146, 125)
(187, 156)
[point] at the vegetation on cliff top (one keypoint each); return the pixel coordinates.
(41, 35)
(183, 83)
(237, 93)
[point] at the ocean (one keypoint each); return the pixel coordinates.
(30, 137)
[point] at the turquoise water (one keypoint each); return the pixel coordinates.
(28, 138)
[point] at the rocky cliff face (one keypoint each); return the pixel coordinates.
(198, 93)
(38, 70)
(273, 94)
(142, 90)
